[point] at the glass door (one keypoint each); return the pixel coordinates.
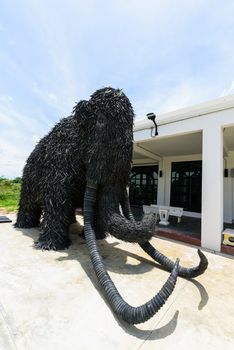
(186, 185)
(143, 185)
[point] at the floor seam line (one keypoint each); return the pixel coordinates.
(157, 323)
(4, 317)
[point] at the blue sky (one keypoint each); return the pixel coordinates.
(164, 54)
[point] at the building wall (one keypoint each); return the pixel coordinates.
(217, 199)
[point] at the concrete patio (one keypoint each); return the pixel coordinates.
(51, 300)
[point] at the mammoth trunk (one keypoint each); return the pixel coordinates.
(128, 313)
(110, 220)
(131, 231)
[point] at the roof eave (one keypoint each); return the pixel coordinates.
(211, 106)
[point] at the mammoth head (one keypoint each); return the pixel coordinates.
(112, 103)
(106, 120)
(107, 114)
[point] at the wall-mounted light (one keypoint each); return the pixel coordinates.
(152, 116)
(160, 173)
(225, 172)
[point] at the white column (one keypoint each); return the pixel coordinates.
(212, 187)
(161, 183)
(167, 166)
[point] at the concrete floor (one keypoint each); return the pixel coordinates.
(51, 300)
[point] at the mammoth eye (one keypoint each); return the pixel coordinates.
(101, 119)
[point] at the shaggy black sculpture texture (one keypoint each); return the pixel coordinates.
(85, 162)
(93, 145)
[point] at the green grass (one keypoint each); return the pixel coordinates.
(9, 194)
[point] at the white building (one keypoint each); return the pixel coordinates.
(193, 156)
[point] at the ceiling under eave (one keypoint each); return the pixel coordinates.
(179, 145)
(172, 146)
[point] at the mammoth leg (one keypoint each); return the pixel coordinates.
(28, 215)
(28, 218)
(187, 272)
(54, 227)
(130, 314)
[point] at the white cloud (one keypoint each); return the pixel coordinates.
(6, 98)
(17, 137)
(229, 90)
(48, 97)
(52, 97)
(12, 157)
(184, 94)
(36, 138)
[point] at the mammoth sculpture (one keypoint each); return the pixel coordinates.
(85, 162)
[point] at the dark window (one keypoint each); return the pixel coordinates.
(186, 182)
(143, 185)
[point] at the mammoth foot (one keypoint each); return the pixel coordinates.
(186, 272)
(28, 216)
(52, 244)
(26, 222)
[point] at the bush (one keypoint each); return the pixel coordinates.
(17, 180)
(9, 193)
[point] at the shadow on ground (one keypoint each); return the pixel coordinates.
(115, 259)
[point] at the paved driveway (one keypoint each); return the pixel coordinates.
(51, 300)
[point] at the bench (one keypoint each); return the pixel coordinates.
(163, 212)
(228, 237)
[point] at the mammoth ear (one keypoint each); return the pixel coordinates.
(83, 110)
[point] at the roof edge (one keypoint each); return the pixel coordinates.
(211, 106)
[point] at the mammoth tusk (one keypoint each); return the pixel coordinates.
(187, 272)
(128, 313)
(125, 205)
